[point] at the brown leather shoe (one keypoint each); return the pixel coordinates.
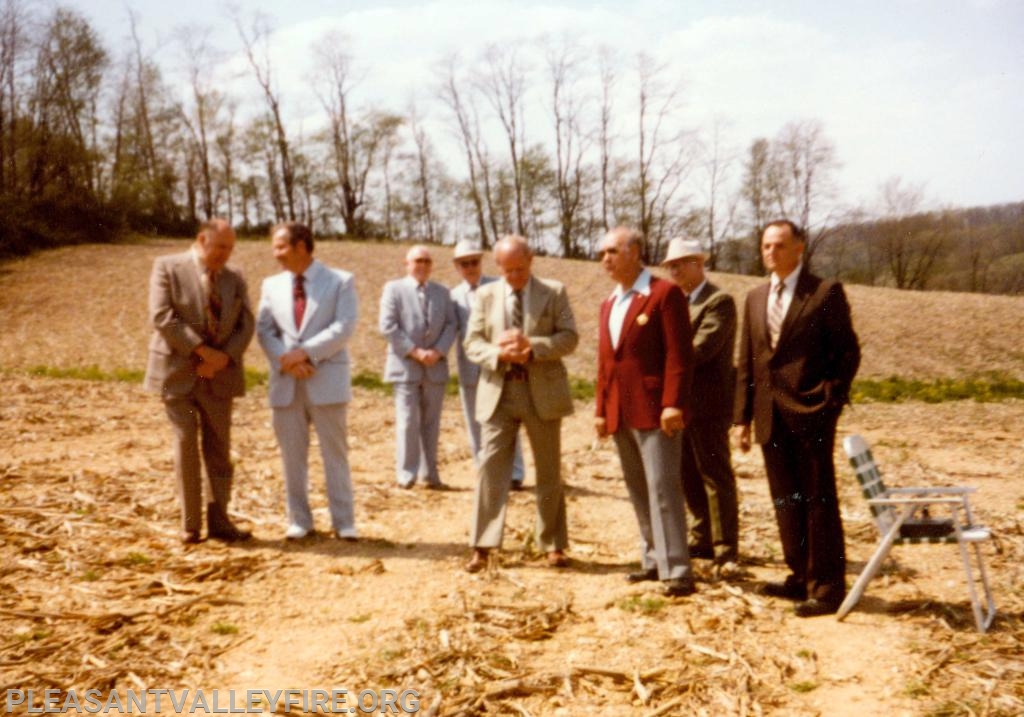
(679, 587)
(557, 559)
(642, 576)
(479, 560)
(788, 590)
(190, 537)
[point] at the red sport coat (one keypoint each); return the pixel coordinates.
(652, 367)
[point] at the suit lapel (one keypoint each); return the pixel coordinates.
(636, 307)
(759, 314)
(537, 298)
(313, 295)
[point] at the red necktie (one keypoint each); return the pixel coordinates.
(299, 300)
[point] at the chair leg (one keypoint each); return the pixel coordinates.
(871, 569)
(983, 615)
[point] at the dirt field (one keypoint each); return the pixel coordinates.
(95, 590)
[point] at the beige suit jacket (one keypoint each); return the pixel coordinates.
(177, 308)
(551, 328)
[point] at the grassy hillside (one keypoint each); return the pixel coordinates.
(86, 306)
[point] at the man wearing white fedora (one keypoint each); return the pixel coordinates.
(468, 259)
(708, 481)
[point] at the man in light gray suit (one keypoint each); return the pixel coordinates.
(519, 330)
(467, 259)
(307, 314)
(202, 324)
(417, 317)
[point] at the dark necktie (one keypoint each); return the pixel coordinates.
(517, 309)
(299, 299)
(213, 304)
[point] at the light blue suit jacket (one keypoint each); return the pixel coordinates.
(327, 324)
(405, 328)
(469, 372)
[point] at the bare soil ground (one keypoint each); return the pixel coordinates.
(95, 591)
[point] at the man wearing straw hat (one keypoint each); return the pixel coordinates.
(708, 481)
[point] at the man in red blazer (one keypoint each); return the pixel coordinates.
(645, 364)
(798, 357)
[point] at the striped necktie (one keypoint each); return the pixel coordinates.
(214, 304)
(775, 314)
(517, 309)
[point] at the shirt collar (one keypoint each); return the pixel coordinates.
(692, 296)
(642, 285)
(789, 281)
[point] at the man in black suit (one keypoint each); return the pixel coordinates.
(798, 357)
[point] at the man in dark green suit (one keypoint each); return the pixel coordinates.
(708, 481)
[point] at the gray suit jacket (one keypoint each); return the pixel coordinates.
(405, 328)
(469, 372)
(177, 309)
(713, 318)
(327, 324)
(551, 328)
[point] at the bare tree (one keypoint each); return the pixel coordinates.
(720, 207)
(504, 84)
(13, 43)
(607, 71)
(802, 184)
(663, 153)
(256, 44)
(911, 241)
(423, 177)
(467, 128)
(570, 146)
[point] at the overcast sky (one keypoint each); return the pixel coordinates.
(929, 90)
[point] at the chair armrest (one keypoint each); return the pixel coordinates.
(913, 500)
(941, 490)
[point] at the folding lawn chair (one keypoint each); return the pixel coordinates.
(904, 516)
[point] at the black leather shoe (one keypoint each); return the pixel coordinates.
(786, 590)
(679, 587)
(699, 551)
(642, 576)
(231, 534)
(517, 485)
(815, 607)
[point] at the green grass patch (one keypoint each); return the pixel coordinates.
(371, 381)
(984, 389)
(89, 373)
(224, 628)
(643, 605)
(804, 687)
(137, 559)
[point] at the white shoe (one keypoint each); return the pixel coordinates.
(295, 532)
(347, 534)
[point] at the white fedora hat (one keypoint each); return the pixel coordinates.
(467, 248)
(680, 248)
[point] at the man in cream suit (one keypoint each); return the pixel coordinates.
(417, 318)
(708, 480)
(519, 330)
(644, 373)
(307, 314)
(202, 325)
(467, 260)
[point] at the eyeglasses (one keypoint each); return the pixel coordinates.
(612, 252)
(423, 260)
(467, 263)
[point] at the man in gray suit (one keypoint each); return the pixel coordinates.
(417, 318)
(202, 322)
(467, 259)
(708, 481)
(307, 314)
(519, 330)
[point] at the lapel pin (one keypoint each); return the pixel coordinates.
(642, 319)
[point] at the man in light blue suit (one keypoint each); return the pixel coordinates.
(417, 317)
(468, 258)
(306, 316)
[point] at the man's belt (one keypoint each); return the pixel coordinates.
(516, 372)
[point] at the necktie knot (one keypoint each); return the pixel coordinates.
(299, 299)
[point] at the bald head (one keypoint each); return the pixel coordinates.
(514, 256)
(418, 263)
